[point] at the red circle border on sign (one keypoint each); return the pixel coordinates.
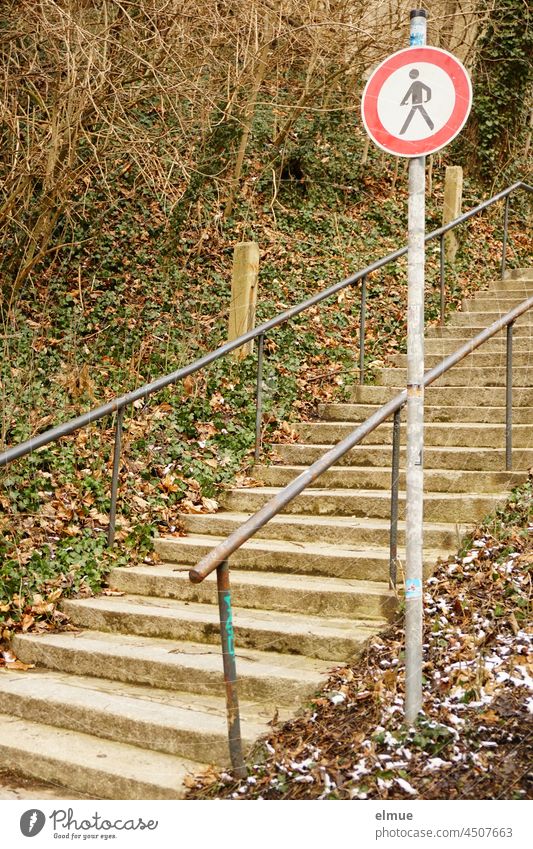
(463, 99)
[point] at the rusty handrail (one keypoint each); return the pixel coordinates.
(223, 550)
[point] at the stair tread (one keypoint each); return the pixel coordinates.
(315, 548)
(447, 426)
(445, 449)
(365, 493)
(314, 521)
(353, 469)
(180, 653)
(165, 708)
(85, 761)
(279, 580)
(274, 621)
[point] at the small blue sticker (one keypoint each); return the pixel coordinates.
(416, 39)
(413, 588)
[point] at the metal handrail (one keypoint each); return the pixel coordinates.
(217, 558)
(223, 550)
(143, 392)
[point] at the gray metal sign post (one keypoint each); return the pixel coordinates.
(415, 416)
(414, 103)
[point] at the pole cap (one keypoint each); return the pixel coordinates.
(418, 13)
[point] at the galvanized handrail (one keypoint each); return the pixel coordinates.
(143, 392)
(223, 550)
(217, 558)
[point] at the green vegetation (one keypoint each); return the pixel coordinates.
(503, 79)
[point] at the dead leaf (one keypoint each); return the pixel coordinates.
(8, 656)
(513, 623)
(168, 484)
(188, 385)
(42, 607)
(17, 664)
(27, 621)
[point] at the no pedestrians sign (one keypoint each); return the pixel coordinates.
(416, 101)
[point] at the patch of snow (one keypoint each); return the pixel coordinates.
(434, 763)
(406, 786)
(303, 765)
(470, 558)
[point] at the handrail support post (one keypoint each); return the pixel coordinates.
(395, 481)
(509, 400)
(442, 283)
(230, 671)
(505, 231)
(362, 323)
(114, 482)
(259, 396)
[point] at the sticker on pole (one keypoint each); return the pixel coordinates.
(416, 101)
(413, 588)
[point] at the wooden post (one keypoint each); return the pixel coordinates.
(453, 196)
(243, 294)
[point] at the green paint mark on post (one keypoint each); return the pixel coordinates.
(229, 626)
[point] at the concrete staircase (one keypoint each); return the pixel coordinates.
(134, 702)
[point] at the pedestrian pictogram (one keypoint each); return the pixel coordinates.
(416, 94)
(416, 101)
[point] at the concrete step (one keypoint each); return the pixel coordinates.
(100, 769)
(511, 289)
(448, 396)
(335, 530)
(470, 325)
(497, 345)
(309, 594)
(461, 435)
(479, 359)
(438, 507)
(452, 457)
(366, 477)
(520, 290)
(512, 274)
(167, 664)
(493, 302)
(171, 619)
(181, 724)
(473, 319)
(366, 563)
(472, 376)
(484, 415)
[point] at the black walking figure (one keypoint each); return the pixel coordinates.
(416, 93)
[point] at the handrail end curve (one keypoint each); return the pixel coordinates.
(195, 577)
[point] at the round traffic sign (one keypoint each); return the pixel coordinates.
(416, 101)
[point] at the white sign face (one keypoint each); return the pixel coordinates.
(416, 101)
